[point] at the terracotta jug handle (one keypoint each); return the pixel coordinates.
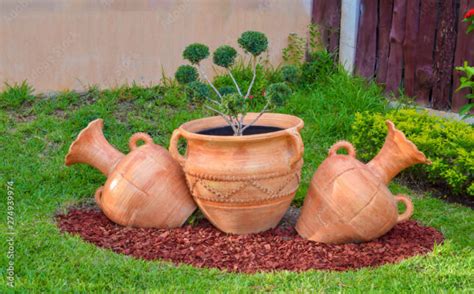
(98, 196)
(409, 208)
(132, 143)
(298, 145)
(174, 147)
(344, 145)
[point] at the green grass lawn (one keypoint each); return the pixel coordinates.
(35, 138)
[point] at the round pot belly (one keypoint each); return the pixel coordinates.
(242, 184)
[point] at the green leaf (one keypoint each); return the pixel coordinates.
(466, 109)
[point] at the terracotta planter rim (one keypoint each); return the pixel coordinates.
(189, 129)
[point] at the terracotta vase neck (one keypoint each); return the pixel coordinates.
(92, 148)
(397, 154)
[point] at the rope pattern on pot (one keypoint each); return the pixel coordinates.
(227, 197)
(234, 178)
(217, 193)
(269, 191)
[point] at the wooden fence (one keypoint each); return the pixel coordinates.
(412, 45)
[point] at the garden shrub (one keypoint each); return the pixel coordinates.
(227, 90)
(14, 95)
(320, 65)
(186, 74)
(290, 73)
(198, 91)
(224, 56)
(295, 52)
(253, 42)
(448, 144)
(196, 52)
(278, 93)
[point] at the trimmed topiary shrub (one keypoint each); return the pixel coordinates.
(196, 52)
(253, 42)
(198, 91)
(186, 74)
(232, 105)
(448, 144)
(224, 56)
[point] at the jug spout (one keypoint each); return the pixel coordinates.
(397, 154)
(92, 148)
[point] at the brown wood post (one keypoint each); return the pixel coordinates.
(444, 55)
(367, 39)
(424, 54)
(383, 50)
(397, 36)
(334, 23)
(319, 12)
(409, 45)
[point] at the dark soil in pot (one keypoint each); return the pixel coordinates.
(227, 131)
(202, 245)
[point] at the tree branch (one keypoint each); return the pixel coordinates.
(231, 124)
(235, 82)
(209, 81)
(253, 78)
(258, 116)
(214, 101)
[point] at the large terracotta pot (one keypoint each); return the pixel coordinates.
(145, 188)
(242, 184)
(349, 201)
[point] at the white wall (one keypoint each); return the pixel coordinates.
(66, 44)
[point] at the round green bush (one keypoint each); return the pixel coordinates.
(224, 56)
(186, 74)
(290, 73)
(196, 52)
(253, 42)
(278, 93)
(227, 90)
(198, 91)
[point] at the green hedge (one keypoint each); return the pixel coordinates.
(448, 144)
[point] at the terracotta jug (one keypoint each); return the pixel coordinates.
(349, 201)
(145, 188)
(242, 184)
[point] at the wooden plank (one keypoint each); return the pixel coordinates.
(444, 55)
(397, 36)
(319, 18)
(367, 39)
(464, 52)
(424, 56)
(383, 47)
(334, 23)
(409, 45)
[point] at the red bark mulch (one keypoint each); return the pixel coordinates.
(281, 248)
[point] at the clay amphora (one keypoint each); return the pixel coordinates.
(145, 188)
(242, 184)
(349, 201)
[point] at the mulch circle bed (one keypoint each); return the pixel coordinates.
(204, 246)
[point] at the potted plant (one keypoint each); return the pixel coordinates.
(242, 168)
